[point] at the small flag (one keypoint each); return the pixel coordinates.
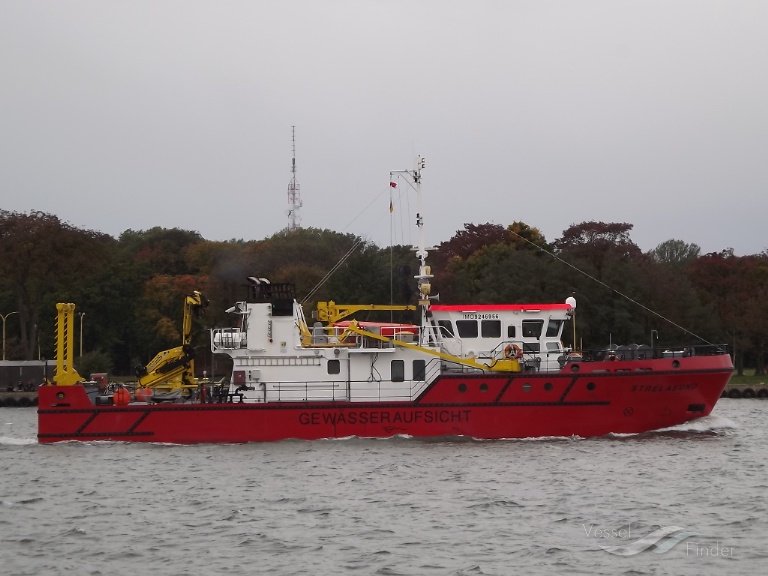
(393, 184)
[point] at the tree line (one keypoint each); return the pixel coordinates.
(129, 290)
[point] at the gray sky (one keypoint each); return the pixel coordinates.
(120, 115)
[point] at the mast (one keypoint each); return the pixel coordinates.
(294, 194)
(428, 334)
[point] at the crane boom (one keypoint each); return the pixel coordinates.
(174, 368)
(331, 312)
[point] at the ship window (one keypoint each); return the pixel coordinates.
(510, 331)
(418, 370)
(532, 328)
(334, 367)
(553, 347)
(467, 328)
(553, 328)
(446, 328)
(531, 347)
(398, 370)
(491, 328)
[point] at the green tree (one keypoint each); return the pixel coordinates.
(160, 250)
(675, 252)
(471, 239)
(602, 266)
(598, 243)
(527, 237)
(717, 278)
(46, 261)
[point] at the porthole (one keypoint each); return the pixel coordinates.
(483, 387)
(462, 388)
(526, 387)
(591, 386)
(548, 386)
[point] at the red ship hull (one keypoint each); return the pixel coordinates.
(585, 399)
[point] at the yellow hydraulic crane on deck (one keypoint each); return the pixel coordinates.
(331, 312)
(174, 368)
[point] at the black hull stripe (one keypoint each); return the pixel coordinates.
(88, 421)
(288, 406)
(574, 375)
(95, 434)
(568, 389)
(503, 390)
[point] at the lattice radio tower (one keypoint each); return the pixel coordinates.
(294, 193)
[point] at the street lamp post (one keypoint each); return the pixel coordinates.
(82, 315)
(4, 316)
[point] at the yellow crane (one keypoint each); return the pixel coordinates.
(331, 312)
(66, 374)
(174, 369)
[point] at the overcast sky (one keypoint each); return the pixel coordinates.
(119, 115)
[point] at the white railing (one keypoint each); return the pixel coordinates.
(340, 390)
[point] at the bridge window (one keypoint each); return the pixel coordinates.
(398, 370)
(532, 328)
(491, 328)
(553, 328)
(467, 328)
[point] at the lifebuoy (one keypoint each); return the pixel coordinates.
(513, 352)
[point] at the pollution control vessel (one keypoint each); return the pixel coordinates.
(485, 371)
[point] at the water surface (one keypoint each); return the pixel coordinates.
(398, 506)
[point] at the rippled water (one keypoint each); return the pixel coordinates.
(395, 506)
